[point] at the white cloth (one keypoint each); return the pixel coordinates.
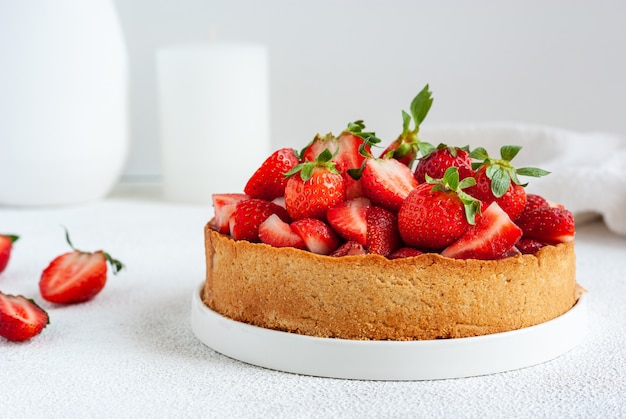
(130, 352)
(588, 170)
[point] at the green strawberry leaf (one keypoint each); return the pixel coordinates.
(406, 121)
(508, 152)
(12, 237)
(532, 171)
(420, 106)
(500, 182)
(479, 153)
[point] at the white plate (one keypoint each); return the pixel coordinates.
(389, 360)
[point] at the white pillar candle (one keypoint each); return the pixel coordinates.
(214, 118)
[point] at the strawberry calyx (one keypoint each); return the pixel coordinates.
(500, 171)
(357, 128)
(12, 237)
(450, 183)
(116, 265)
(306, 168)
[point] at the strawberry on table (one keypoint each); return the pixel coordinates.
(76, 276)
(549, 225)
(493, 235)
(20, 318)
(249, 214)
(497, 179)
(268, 181)
(6, 245)
(318, 237)
(437, 213)
(408, 146)
(437, 162)
(313, 188)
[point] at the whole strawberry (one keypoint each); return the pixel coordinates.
(437, 162)
(20, 318)
(249, 214)
(497, 180)
(550, 225)
(76, 276)
(6, 245)
(268, 181)
(438, 212)
(408, 146)
(314, 187)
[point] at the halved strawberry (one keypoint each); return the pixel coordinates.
(318, 237)
(387, 182)
(249, 214)
(382, 231)
(224, 205)
(437, 162)
(314, 187)
(20, 318)
(349, 248)
(268, 181)
(549, 225)
(277, 233)
(349, 219)
(76, 276)
(6, 244)
(405, 252)
(493, 235)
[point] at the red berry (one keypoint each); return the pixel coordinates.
(349, 219)
(268, 182)
(318, 237)
(223, 206)
(277, 233)
(20, 318)
(439, 160)
(249, 214)
(387, 182)
(6, 245)
(382, 231)
(549, 225)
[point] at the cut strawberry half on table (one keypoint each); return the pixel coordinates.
(224, 205)
(21, 318)
(349, 219)
(277, 233)
(6, 245)
(492, 236)
(76, 276)
(318, 237)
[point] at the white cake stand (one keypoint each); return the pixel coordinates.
(389, 360)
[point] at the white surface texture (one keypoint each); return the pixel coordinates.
(131, 353)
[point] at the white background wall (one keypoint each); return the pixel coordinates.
(554, 62)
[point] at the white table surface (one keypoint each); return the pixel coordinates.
(130, 352)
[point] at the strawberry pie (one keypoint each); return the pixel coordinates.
(416, 241)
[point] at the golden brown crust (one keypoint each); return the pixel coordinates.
(370, 297)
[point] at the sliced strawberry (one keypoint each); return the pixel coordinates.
(529, 246)
(268, 181)
(387, 182)
(313, 188)
(318, 237)
(549, 225)
(492, 236)
(76, 276)
(20, 318)
(249, 214)
(6, 245)
(349, 248)
(224, 205)
(382, 231)
(349, 219)
(277, 233)
(405, 252)
(439, 160)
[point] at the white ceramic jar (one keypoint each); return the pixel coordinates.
(63, 101)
